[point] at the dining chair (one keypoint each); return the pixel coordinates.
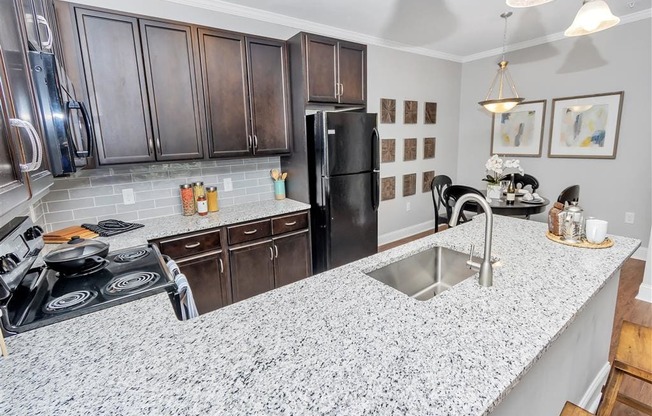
(570, 194)
(525, 180)
(437, 186)
(632, 359)
(452, 194)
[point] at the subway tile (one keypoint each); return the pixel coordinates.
(257, 174)
(58, 216)
(184, 173)
(136, 186)
(95, 211)
(245, 199)
(112, 180)
(70, 205)
(209, 180)
(127, 216)
(233, 193)
(167, 202)
(156, 212)
(184, 165)
(94, 191)
(260, 189)
(150, 176)
(70, 183)
(226, 202)
(167, 184)
(234, 177)
(108, 200)
(243, 168)
(177, 209)
(64, 224)
(122, 208)
(62, 195)
(217, 170)
(152, 195)
(229, 162)
(268, 166)
(91, 173)
(245, 184)
(267, 197)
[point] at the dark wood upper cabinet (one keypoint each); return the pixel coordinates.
(335, 71)
(269, 96)
(293, 261)
(224, 62)
(169, 58)
(252, 269)
(115, 79)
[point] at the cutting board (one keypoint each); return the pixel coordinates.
(65, 234)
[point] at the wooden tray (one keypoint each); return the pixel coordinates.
(608, 242)
(65, 234)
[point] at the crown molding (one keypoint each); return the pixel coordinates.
(325, 30)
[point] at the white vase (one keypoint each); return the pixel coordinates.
(494, 191)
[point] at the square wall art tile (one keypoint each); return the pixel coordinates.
(430, 116)
(409, 149)
(427, 178)
(409, 184)
(387, 111)
(429, 147)
(410, 112)
(388, 188)
(388, 150)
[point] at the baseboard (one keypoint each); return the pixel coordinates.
(405, 232)
(645, 293)
(591, 398)
(640, 254)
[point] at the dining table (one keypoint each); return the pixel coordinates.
(519, 208)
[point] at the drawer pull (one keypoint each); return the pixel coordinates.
(251, 232)
(289, 224)
(192, 245)
(221, 266)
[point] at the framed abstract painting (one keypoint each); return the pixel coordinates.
(519, 132)
(586, 126)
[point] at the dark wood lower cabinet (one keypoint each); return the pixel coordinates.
(293, 260)
(252, 269)
(206, 274)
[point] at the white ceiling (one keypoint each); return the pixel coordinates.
(459, 30)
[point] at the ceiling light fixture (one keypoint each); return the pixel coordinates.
(502, 104)
(593, 16)
(526, 3)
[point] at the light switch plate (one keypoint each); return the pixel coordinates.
(228, 185)
(128, 196)
(629, 218)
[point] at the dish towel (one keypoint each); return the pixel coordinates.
(188, 307)
(107, 228)
(172, 266)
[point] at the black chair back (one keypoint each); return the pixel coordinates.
(437, 186)
(452, 194)
(570, 194)
(525, 180)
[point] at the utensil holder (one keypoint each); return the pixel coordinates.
(279, 189)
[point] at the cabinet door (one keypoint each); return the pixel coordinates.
(292, 258)
(352, 59)
(269, 97)
(207, 278)
(169, 57)
(252, 269)
(113, 65)
(13, 189)
(223, 64)
(321, 69)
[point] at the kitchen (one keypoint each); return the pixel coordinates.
(456, 97)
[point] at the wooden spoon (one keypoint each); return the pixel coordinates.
(274, 173)
(285, 175)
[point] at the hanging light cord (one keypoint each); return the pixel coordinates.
(505, 16)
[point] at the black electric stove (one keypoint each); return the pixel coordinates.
(32, 297)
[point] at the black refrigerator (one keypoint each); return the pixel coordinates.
(344, 181)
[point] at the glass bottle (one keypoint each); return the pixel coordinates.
(211, 196)
(511, 192)
(198, 190)
(202, 205)
(187, 199)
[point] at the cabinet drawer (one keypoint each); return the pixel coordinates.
(188, 245)
(249, 231)
(288, 223)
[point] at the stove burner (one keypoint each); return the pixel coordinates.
(70, 301)
(131, 282)
(131, 256)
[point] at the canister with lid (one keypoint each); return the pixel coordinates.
(211, 196)
(187, 199)
(198, 190)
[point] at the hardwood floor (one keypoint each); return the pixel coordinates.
(627, 308)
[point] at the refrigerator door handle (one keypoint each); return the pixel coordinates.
(375, 153)
(78, 105)
(375, 191)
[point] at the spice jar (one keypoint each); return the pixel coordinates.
(211, 196)
(187, 199)
(198, 190)
(202, 205)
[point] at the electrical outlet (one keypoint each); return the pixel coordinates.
(408, 206)
(228, 185)
(629, 218)
(128, 196)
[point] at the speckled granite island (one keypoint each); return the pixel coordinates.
(339, 343)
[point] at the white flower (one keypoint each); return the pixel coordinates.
(496, 168)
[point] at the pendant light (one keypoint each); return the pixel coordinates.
(526, 3)
(502, 104)
(593, 16)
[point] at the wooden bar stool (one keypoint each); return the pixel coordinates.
(633, 358)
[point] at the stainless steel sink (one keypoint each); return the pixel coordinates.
(426, 274)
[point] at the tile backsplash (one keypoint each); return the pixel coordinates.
(96, 194)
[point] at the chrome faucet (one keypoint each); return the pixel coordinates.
(486, 272)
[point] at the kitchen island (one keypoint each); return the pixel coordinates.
(337, 343)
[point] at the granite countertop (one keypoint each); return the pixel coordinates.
(179, 224)
(338, 343)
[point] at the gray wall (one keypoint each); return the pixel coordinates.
(614, 60)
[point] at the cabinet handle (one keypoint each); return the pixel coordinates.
(288, 224)
(251, 232)
(150, 147)
(337, 89)
(158, 146)
(249, 142)
(255, 142)
(276, 251)
(35, 142)
(271, 253)
(193, 245)
(221, 266)
(341, 90)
